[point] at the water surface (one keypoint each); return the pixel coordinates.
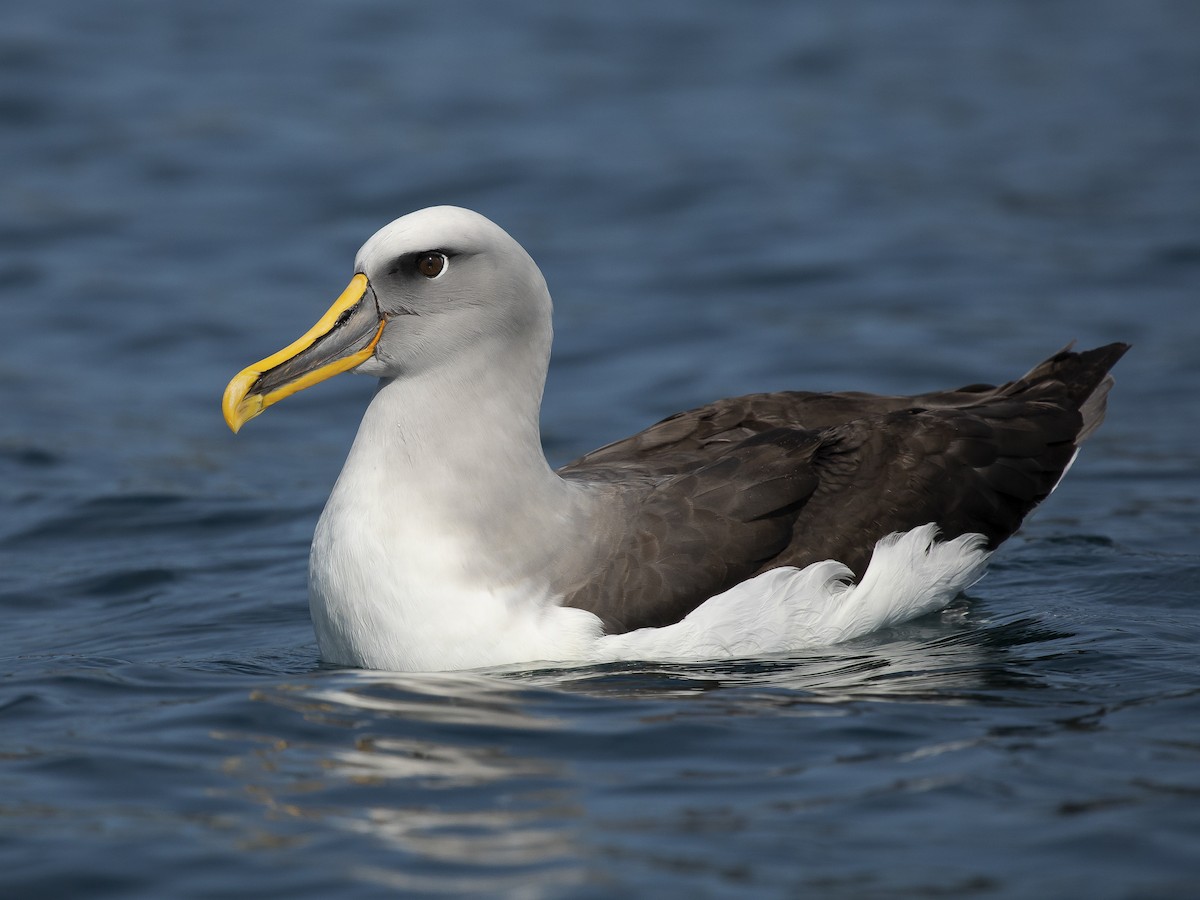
(724, 199)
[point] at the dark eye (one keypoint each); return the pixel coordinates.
(431, 265)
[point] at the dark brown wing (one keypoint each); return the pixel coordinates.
(975, 470)
(688, 535)
(744, 485)
(693, 437)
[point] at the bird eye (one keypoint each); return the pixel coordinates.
(431, 265)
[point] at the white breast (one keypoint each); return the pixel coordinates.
(382, 598)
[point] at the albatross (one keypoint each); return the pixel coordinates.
(761, 524)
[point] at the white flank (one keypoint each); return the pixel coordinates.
(789, 609)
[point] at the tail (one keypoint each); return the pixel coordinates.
(1085, 378)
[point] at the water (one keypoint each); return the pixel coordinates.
(724, 198)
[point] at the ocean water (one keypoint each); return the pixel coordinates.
(725, 198)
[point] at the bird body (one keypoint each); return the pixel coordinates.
(758, 524)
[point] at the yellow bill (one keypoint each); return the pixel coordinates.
(343, 338)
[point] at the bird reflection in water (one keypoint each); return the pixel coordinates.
(471, 781)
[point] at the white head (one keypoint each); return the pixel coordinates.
(447, 279)
(426, 288)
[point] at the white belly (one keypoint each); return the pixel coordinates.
(384, 599)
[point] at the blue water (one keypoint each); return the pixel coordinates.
(725, 198)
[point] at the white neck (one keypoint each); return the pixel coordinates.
(445, 517)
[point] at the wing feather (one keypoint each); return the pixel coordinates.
(709, 497)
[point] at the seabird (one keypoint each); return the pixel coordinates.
(757, 524)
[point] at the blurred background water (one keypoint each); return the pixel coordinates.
(724, 198)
